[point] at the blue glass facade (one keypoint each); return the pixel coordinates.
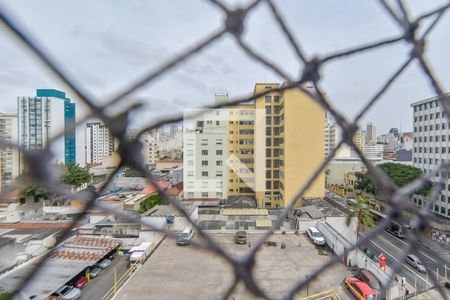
(69, 122)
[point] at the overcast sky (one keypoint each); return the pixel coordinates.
(104, 45)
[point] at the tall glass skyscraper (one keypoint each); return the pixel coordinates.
(42, 117)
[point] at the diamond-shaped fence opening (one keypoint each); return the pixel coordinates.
(395, 198)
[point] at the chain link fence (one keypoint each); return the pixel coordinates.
(39, 162)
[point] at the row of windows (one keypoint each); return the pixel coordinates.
(204, 142)
(426, 106)
(268, 99)
(205, 194)
(431, 138)
(430, 127)
(430, 149)
(218, 163)
(430, 116)
(430, 160)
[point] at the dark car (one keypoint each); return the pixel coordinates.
(240, 237)
(370, 279)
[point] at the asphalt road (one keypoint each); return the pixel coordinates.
(97, 287)
(393, 247)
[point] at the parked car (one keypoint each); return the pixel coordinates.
(370, 279)
(186, 236)
(416, 263)
(315, 235)
(240, 237)
(104, 263)
(95, 271)
(67, 292)
(360, 289)
(80, 282)
(371, 255)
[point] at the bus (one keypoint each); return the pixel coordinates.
(394, 228)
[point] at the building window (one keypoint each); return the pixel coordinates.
(218, 141)
(268, 185)
(218, 162)
(219, 173)
(199, 123)
(204, 194)
(268, 152)
(276, 99)
(205, 173)
(442, 210)
(268, 131)
(268, 109)
(268, 99)
(268, 141)
(219, 152)
(204, 162)
(268, 163)
(204, 152)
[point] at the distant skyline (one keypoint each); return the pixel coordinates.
(106, 46)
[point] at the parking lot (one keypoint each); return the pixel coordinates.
(174, 272)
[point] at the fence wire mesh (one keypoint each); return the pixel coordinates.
(129, 150)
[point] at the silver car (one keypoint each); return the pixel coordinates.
(95, 271)
(416, 263)
(104, 263)
(67, 292)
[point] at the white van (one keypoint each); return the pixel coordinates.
(186, 236)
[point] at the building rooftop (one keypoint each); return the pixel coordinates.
(169, 210)
(427, 100)
(69, 259)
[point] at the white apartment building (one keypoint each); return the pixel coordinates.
(99, 143)
(374, 152)
(204, 155)
(432, 147)
(9, 156)
(332, 136)
(150, 150)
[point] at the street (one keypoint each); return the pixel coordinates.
(98, 286)
(393, 247)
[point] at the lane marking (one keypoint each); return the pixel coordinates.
(386, 240)
(403, 263)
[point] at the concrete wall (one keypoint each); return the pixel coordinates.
(7, 255)
(336, 242)
(337, 170)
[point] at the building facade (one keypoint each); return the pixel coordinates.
(150, 150)
(374, 151)
(431, 147)
(332, 136)
(371, 133)
(9, 156)
(44, 116)
(359, 139)
(205, 153)
(269, 144)
(99, 143)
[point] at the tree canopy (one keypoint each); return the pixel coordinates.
(35, 191)
(361, 210)
(149, 202)
(75, 175)
(400, 174)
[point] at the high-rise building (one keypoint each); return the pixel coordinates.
(431, 147)
(268, 148)
(9, 156)
(99, 143)
(371, 133)
(150, 150)
(359, 139)
(374, 152)
(204, 155)
(44, 116)
(332, 135)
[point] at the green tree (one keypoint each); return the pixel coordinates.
(400, 174)
(149, 202)
(75, 175)
(361, 211)
(35, 191)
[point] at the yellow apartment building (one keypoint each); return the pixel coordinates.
(274, 146)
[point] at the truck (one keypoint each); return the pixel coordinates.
(140, 252)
